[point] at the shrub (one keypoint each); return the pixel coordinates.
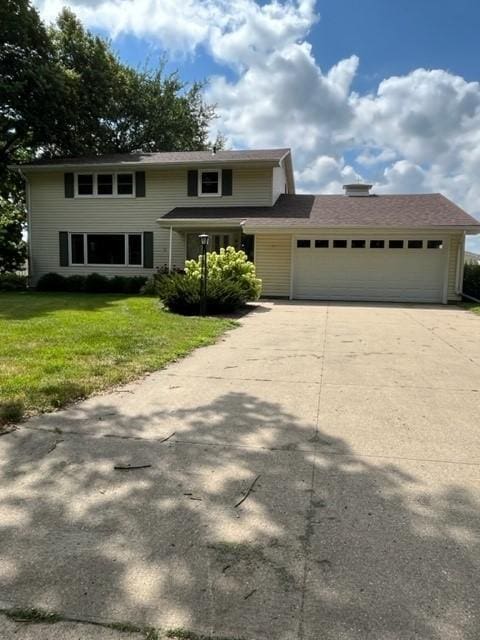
(471, 280)
(118, 284)
(231, 283)
(51, 282)
(179, 293)
(12, 282)
(134, 284)
(75, 283)
(228, 265)
(93, 283)
(153, 284)
(11, 411)
(96, 283)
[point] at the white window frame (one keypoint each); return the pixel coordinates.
(85, 234)
(210, 195)
(95, 193)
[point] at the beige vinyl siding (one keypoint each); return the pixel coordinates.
(51, 212)
(455, 247)
(278, 183)
(272, 262)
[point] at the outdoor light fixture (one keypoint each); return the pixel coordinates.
(203, 237)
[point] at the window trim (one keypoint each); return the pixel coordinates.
(209, 195)
(95, 193)
(85, 234)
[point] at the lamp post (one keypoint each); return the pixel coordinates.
(203, 280)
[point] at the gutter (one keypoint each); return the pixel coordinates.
(186, 223)
(142, 166)
(250, 227)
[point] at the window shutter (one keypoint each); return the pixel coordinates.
(63, 248)
(68, 183)
(226, 182)
(148, 249)
(140, 184)
(193, 182)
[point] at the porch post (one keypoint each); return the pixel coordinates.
(170, 242)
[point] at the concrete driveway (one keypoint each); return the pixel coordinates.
(358, 427)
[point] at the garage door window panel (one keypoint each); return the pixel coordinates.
(435, 244)
(395, 244)
(339, 244)
(359, 244)
(377, 244)
(303, 244)
(322, 244)
(415, 244)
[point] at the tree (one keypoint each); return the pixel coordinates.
(109, 107)
(29, 78)
(13, 251)
(64, 92)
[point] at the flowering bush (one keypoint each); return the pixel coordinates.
(228, 265)
(231, 283)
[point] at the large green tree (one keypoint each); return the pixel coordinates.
(64, 92)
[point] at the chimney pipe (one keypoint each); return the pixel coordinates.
(357, 189)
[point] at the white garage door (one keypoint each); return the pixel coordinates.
(365, 269)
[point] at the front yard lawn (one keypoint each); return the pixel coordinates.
(472, 306)
(56, 348)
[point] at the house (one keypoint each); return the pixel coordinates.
(132, 214)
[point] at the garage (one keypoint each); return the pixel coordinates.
(390, 269)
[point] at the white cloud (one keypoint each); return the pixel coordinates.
(418, 132)
(326, 171)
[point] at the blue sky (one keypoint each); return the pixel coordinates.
(374, 89)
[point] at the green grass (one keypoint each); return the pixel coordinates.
(56, 348)
(471, 306)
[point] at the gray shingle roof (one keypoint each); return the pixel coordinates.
(396, 211)
(167, 158)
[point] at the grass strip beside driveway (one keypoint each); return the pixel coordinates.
(56, 348)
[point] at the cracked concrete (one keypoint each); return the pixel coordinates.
(361, 422)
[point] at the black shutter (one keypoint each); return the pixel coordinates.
(63, 248)
(193, 182)
(148, 249)
(68, 183)
(140, 184)
(226, 182)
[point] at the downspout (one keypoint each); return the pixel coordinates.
(29, 227)
(460, 265)
(460, 274)
(170, 243)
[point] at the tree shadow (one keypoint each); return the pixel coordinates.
(327, 544)
(24, 305)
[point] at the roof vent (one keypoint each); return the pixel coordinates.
(357, 189)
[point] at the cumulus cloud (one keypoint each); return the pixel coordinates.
(418, 132)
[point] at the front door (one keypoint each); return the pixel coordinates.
(216, 242)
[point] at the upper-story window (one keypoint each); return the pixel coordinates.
(104, 185)
(209, 183)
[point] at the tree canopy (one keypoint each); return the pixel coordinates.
(65, 92)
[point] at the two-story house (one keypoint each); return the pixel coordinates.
(134, 213)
